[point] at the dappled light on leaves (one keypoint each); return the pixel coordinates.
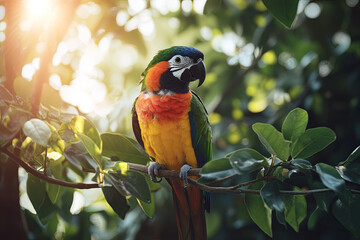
(281, 81)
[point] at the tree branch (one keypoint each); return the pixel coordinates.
(40, 175)
(194, 172)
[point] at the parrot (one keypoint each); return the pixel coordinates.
(170, 121)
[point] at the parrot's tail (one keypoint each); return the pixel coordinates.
(189, 210)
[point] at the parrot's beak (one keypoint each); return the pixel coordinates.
(196, 71)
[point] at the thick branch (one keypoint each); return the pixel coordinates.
(162, 173)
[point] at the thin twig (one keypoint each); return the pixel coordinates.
(271, 165)
(222, 180)
(45, 163)
(249, 182)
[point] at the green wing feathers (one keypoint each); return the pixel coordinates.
(200, 131)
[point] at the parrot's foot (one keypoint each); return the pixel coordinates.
(184, 174)
(153, 171)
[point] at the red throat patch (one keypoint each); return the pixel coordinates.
(152, 80)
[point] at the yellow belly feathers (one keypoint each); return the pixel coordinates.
(169, 142)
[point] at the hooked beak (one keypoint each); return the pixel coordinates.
(196, 71)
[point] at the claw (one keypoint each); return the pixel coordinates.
(184, 174)
(153, 171)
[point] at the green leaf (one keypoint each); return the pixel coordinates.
(148, 208)
(295, 209)
(81, 125)
(294, 124)
(37, 130)
(36, 191)
(314, 218)
(215, 169)
(348, 215)
(47, 211)
(211, 6)
(247, 160)
(77, 155)
(352, 157)
(51, 225)
(129, 182)
(332, 179)
(350, 172)
(55, 141)
(312, 141)
(117, 201)
(281, 173)
(259, 212)
(53, 191)
(271, 195)
(283, 10)
(323, 200)
(92, 148)
(273, 140)
(55, 169)
(302, 163)
(119, 146)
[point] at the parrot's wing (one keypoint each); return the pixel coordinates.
(200, 131)
(136, 126)
(201, 137)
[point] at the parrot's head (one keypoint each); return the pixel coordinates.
(172, 69)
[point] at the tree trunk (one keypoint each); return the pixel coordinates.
(12, 224)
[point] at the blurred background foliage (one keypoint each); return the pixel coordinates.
(257, 71)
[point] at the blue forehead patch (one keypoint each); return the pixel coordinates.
(184, 51)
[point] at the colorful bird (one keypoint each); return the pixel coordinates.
(171, 123)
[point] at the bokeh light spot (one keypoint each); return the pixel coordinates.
(214, 118)
(55, 81)
(206, 33)
(259, 5)
(2, 12)
(2, 36)
(122, 17)
(240, 4)
(2, 26)
(28, 71)
(260, 20)
(234, 138)
(136, 6)
(237, 114)
(186, 6)
(312, 10)
(257, 105)
(199, 6)
(352, 3)
(269, 57)
(174, 22)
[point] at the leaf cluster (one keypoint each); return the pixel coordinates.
(287, 167)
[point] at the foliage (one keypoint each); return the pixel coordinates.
(263, 63)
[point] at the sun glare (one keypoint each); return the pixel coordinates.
(38, 9)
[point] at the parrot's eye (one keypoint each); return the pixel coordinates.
(179, 61)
